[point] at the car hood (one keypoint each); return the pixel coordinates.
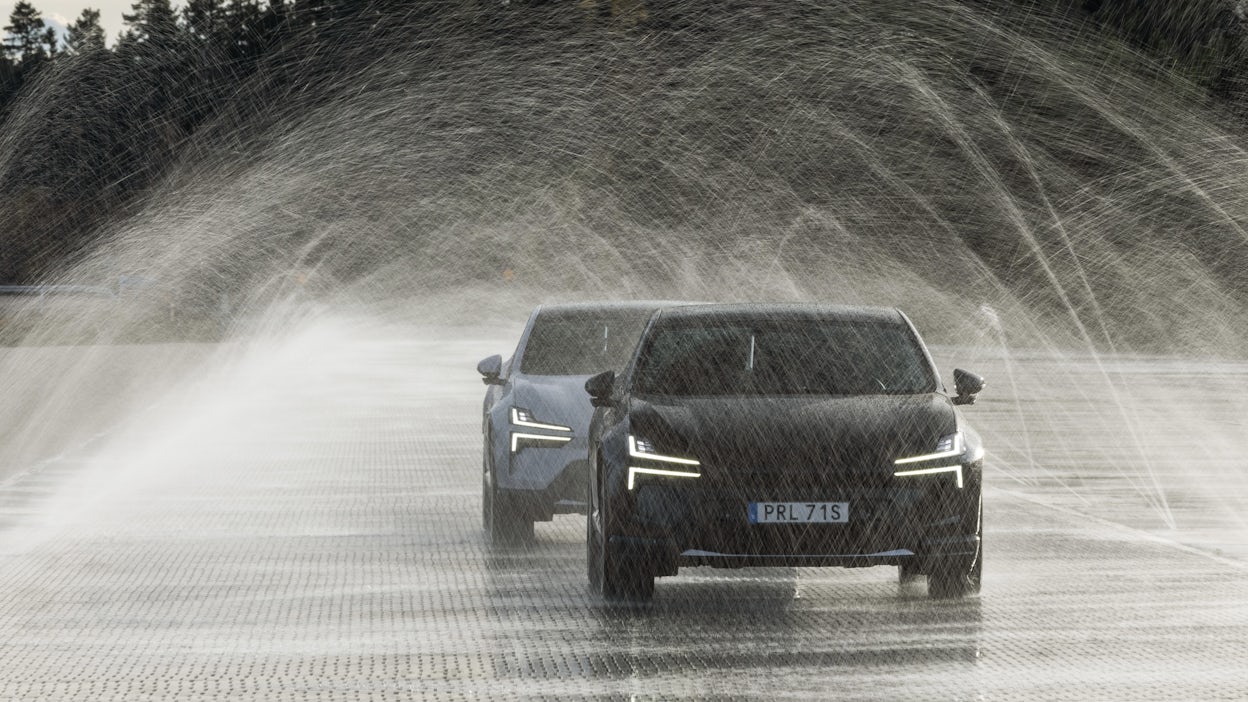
(555, 399)
(803, 434)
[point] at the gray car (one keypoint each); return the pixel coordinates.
(536, 413)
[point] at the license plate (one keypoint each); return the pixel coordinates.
(799, 512)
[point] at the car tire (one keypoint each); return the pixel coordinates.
(625, 578)
(955, 580)
(611, 574)
(503, 523)
(908, 573)
(957, 577)
(593, 547)
(487, 487)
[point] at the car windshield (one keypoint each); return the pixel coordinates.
(783, 357)
(582, 342)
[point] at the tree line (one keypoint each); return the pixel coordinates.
(87, 129)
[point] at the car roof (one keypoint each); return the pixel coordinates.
(847, 313)
(612, 305)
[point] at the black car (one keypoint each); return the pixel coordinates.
(785, 435)
(536, 414)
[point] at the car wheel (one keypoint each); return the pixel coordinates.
(611, 573)
(593, 546)
(952, 578)
(504, 524)
(907, 573)
(624, 578)
(487, 486)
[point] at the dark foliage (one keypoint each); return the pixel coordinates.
(1207, 39)
(653, 124)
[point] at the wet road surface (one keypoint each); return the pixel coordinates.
(305, 525)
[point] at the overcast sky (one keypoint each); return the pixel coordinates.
(66, 11)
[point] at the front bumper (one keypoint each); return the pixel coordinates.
(905, 522)
(541, 482)
(538, 466)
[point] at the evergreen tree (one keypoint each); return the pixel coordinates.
(25, 40)
(51, 41)
(9, 82)
(152, 23)
(85, 34)
(312, 12)
(243, 19)
(205, 19)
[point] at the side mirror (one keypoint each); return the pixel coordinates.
(599, 388)
(967, 385)
(490, 368)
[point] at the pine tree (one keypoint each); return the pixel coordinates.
(312, 12)
(25, 40)
(9, 82)
(243, 25)
(85, 34)
(51, 41)
(152, 23)
(205, 19)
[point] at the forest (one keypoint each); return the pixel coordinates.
(612, 98)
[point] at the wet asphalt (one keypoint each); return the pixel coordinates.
(304, 524)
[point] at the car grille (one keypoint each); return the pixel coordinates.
(714, 519)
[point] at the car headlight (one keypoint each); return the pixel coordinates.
(521, 417)
(948, 447)
(643, 449)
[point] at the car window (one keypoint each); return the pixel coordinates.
(793, 357)
(582, 342)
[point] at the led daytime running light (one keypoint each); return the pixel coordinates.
(517, 436)
(957, 450)
(635, 453)
(932, 471)
(521, 422)
(634, 470)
